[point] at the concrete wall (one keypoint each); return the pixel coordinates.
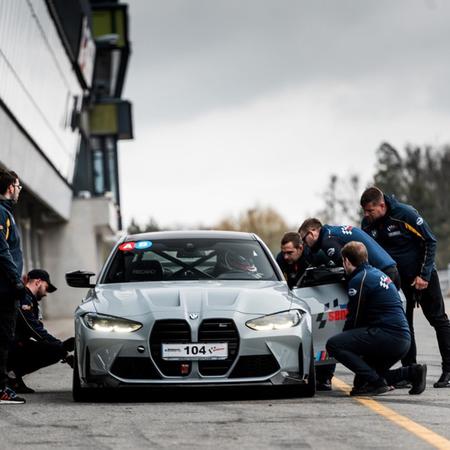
(81, 244)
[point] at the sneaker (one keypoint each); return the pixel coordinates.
(369, 389)
(323, 385)
(418, 379)
(404, 384)
(7, 395)
(18, 385)
(444, 381)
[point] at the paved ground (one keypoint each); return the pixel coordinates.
(230, 419)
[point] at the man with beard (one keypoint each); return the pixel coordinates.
(34, 347)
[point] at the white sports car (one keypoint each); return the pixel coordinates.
(193, 308)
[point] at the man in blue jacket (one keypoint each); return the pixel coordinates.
(11, 286)
(406, 236)
(376, 333)
(34, 347)
(330, 239)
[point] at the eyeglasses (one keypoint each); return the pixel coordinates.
(304, 236)
(18, 186)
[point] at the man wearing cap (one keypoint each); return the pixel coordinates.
(34, 347)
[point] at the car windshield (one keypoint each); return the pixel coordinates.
(189, 259)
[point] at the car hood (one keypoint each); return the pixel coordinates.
(184, 297)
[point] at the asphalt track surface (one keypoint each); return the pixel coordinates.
(231, 419)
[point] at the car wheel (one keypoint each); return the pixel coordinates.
(79, 394)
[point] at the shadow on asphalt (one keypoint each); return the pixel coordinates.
(192, 394)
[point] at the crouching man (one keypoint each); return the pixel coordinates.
(34, 347)
(376, 333)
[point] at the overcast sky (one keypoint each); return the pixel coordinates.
(245, 102)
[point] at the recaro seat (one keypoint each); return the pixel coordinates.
(146, 270)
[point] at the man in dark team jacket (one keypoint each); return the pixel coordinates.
(330, 239)
(11, 286)
(292, 258)
(376, 333)
(34, 347)
(405, 235)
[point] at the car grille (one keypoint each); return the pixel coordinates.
(255, 366)
(134, 368)
(218, 330)
(170, 332)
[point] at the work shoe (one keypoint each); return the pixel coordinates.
(323, 385)
(404, 384)
(7, 395)
(418, 379)
(444, 381)
(18, 385)
(368, 389)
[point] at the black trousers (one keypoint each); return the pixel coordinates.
(371, 352)
(8, 315)
(432, 304)
(29, 356)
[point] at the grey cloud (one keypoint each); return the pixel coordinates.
(192, 56)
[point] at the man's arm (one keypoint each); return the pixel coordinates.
(34, 326)
(7, 264)
(331, 248)
(416, 226)
(356, 295)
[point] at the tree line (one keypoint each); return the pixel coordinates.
(419, 176)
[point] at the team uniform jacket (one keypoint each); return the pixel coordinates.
(333, 238)
(374, 302)
(406, 237)
(10, 252)
(29, 326)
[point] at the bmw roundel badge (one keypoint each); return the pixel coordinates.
(193, 316)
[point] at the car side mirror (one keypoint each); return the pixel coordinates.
(80, 279)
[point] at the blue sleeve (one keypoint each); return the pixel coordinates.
(35, 327)
(331, 248)
(356, 293)
(418, 228)
(7, 265)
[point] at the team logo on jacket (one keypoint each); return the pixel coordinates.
(347, 229)
(419, 221)
(385, 281)
(374, 233)
(352, 292)
(331, 251)
(391, 228)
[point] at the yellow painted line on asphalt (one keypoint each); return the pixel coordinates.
(420, 431)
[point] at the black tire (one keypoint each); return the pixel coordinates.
(79, 394)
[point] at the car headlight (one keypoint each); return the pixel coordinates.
(279, 321)
(100, 322)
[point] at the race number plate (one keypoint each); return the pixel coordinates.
(193, 352)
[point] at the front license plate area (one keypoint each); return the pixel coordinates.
(194, 352)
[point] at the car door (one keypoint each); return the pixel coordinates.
(328, 305)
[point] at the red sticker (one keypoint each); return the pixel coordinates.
(127, 246)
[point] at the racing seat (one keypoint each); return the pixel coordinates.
(146, 270)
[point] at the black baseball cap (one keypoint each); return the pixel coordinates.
(41, 274)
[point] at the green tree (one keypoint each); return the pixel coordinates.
(420, 177)
(267, 223)
(341, 201)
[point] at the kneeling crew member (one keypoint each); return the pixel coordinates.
(376, 333)
(34, 347)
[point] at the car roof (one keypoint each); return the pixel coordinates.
(191, 234)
